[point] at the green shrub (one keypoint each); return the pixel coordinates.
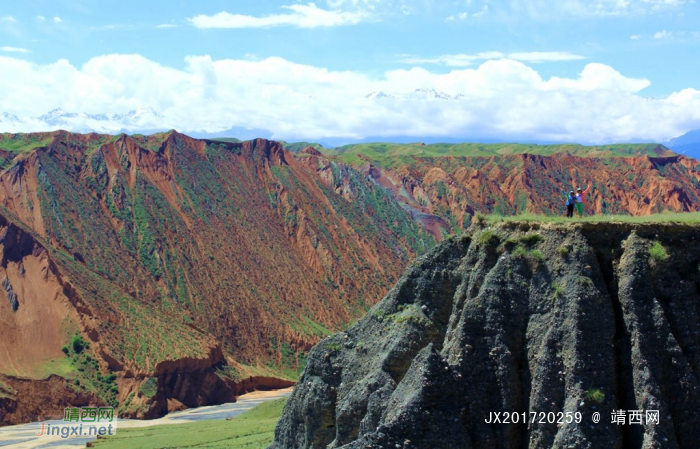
(488, 237)
(558, 290)
(531, 239)
(585, 281)
(562, 250)
(657, 252)
(519, 251)
(537, 255)
(79, 344)
(508, 244)
(595, 395)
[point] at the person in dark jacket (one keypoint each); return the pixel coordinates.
(570, 202)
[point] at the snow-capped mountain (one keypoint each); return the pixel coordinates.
(136, 120)
(58, 117)
(423, 94)
(379, 95)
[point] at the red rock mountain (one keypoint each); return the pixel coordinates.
(162, 271)
(443, 193)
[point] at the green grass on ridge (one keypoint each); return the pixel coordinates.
(381, 153)
(669, 217)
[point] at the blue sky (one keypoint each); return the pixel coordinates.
(589, 71)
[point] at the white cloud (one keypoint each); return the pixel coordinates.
(500, 98)
(545, 56)
(166, 25)
(664, 34)
(15, 49)
(635, 37)
(8, 19)
(664, 3)
(464, 60)
(481, 12)
(545, 9)
(459, 16)
(301, 16)
(57, 19)
(41, 18)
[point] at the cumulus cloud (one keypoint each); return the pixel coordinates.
(663, 34)
(8, 19)
(301, 16)
(57, 19)
(501, 98)
(14, 49)
(464, 60)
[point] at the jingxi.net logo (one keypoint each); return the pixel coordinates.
(81, 422)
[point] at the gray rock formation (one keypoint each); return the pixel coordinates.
(583, 318)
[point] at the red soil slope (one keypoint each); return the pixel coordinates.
(443, 193)
(185, 265)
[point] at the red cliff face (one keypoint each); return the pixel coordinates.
(445, 192)
(170, 256)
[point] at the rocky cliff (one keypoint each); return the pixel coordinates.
(517, 318)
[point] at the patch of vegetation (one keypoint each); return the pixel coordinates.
(61, 367)
(335, 347)
(680, 217)
(407, 313)
(384, 154)
(531, 240)
(537, 255)
(149, 388)
(228, 372)
(88, 375)
(22, 143)
(595, 395)
(253, 429)
(563, 250)
(522, 247)
(487, 238)
(79, 344)
(557, 290)
(585, 281)
(657, 252)
(126, 406)
(6, 390)
(480, 219)
(519, 251)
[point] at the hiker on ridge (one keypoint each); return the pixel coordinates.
(570, 201)
(581, 199)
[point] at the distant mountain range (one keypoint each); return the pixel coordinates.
(148, 121)
(688, 144)
(417, 94)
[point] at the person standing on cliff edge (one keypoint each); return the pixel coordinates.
(570, 201)
(581, 199)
